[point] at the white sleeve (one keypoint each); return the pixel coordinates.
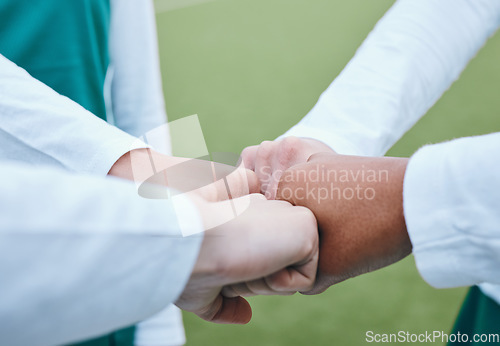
(81, 255)
(136, 90)
(452, 204)
(411, 57)
(39, 126)
(137, 106)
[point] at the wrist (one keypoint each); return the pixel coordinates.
(140, 164)
(396, 223)
(358, 202)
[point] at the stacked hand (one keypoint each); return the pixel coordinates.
(270, 159)
(271, 247)
(357, 202)
(266, 247)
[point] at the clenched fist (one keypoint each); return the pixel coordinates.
(270, 159)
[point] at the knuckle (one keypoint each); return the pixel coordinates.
(265, 150)
(277, 283)
(248, 152)
(309, 230)
(309, 285)
(258, 197)
(250, 175)
(310, 246)
(308, 216)
(283, 189)
(288, 149)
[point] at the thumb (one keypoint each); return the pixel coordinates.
(227, 310)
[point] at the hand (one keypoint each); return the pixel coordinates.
(270, 159)
(272, 248)
(358, 202)
(211, 181)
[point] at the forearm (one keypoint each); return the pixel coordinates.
(141, 164)
(35, 120)
(209, 180)
(443, 199)
(407, 62)
(87, 245)
(358, 203)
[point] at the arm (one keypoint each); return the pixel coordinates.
(408, 61)
(444, 200)
(137, 106)
(412, 56)
(89, 244)
(39, 126)
(358, 202)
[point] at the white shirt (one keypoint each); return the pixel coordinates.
(38, 126)
(136, 105)
(451, 197)
(82, 255)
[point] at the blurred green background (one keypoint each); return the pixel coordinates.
(251, 69)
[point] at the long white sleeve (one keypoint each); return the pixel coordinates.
(39, 126)
(81, 255)
(411, 57)
(136, 105)
(452, 210)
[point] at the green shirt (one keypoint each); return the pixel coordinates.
(63, 43)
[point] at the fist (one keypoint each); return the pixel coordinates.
(270, 159)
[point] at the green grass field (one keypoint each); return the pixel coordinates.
(251, 69)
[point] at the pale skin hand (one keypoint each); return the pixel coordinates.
(270, 159)
(140, 164)
(272, 248)
(362, 227)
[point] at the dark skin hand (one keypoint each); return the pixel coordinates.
(358, 203)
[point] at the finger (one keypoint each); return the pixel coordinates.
(237, 290)
(227, 310)
(300, 273)
(248, 156)
(228, 182)
(253, 181)
(263, 167)
(253, 288)
(287, 185)
(293, 279)
(250, 177)
(272, 187)
(241, 182)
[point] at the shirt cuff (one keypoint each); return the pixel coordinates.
(441, 251)
(118, 144)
